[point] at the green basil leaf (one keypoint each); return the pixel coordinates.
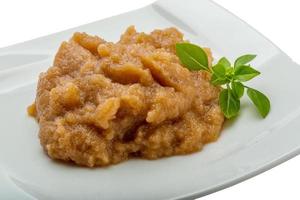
(245, 73)
(219, 70)
(223, 61)
(219, 75)
(243, 60)
(237, 89)
(260, 101)
(192, 56)
(230, 106)
(215, 80)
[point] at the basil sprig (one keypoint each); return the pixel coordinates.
(231, 78)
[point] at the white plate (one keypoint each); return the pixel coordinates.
(248, 146)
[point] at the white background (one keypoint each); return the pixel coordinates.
(276, 19)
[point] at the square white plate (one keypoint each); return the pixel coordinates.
(248, 146)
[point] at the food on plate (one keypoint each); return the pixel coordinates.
(101, 102)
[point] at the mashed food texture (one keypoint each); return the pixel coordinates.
(102, 102)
